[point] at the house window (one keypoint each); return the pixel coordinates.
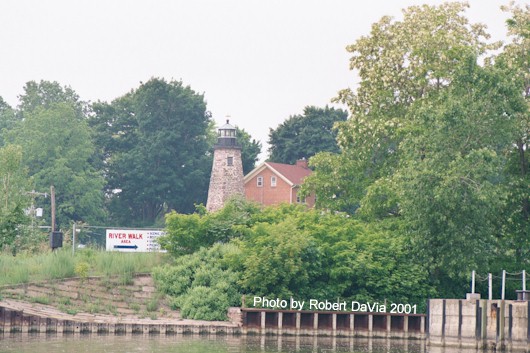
(259, 182)
(230, 161)
(273, 181)
(300, 199)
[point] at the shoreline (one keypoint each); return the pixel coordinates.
(23, 317)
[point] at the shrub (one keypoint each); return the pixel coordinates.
(201, 285)
(81, 270)
(204, 303)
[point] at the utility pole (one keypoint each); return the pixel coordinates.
(56, 238)
(52, 195)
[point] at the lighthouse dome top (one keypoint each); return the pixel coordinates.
(226, 136)
(227, 130)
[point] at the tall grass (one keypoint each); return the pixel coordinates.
(62, 264)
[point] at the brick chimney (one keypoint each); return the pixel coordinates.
(302, 163)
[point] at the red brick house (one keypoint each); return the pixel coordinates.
(274, 183)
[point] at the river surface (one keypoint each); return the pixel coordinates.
(42, 343)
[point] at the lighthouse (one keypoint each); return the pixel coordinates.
(226, 179)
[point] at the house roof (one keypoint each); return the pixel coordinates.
(291, 174)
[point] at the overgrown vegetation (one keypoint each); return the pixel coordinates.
(431, 179)
(288, 251)
(203, 284)
(114, 283)
(63, 264)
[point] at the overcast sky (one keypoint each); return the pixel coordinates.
(257, 61)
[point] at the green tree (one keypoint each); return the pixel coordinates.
(515, 60)
(451, 180)
(155, 142)
(303, 136)
(398, 63)
(428, 142)
(7, 119)
(46, 94)
(250, 150)
(58, 150)
(13, 196)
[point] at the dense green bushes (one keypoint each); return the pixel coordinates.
(283, 252)
(202, 284)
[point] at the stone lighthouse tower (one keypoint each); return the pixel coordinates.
(227, 169)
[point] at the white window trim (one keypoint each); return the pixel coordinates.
(259, 181)
(274, 180)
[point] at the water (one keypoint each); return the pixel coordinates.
(42, 343)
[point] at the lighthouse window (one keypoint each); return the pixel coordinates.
(259, 182)
(230, 161)
(273, 181)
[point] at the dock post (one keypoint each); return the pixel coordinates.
(334, 324)
(60, 326)
(298, 320)
(262, 324)
(280, 322)
(501, 318)
(528, 323)
(370, 324)
(443, 319)
(7, 320)
(352, 324)
(315, 323)
(484, 323)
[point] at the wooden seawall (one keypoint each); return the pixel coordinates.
(326, 323)
(32, 318)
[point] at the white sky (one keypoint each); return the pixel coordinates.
(257, 61)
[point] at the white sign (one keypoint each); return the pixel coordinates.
(130, 240)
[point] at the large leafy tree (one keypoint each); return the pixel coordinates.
(428, 140)
(8, 118)
(155, 143)
(13, 195)
(515, 60)
(58, 150)
(451, 181)
(302, 136)
(398, 63)
(45, 94)
(250, 150)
